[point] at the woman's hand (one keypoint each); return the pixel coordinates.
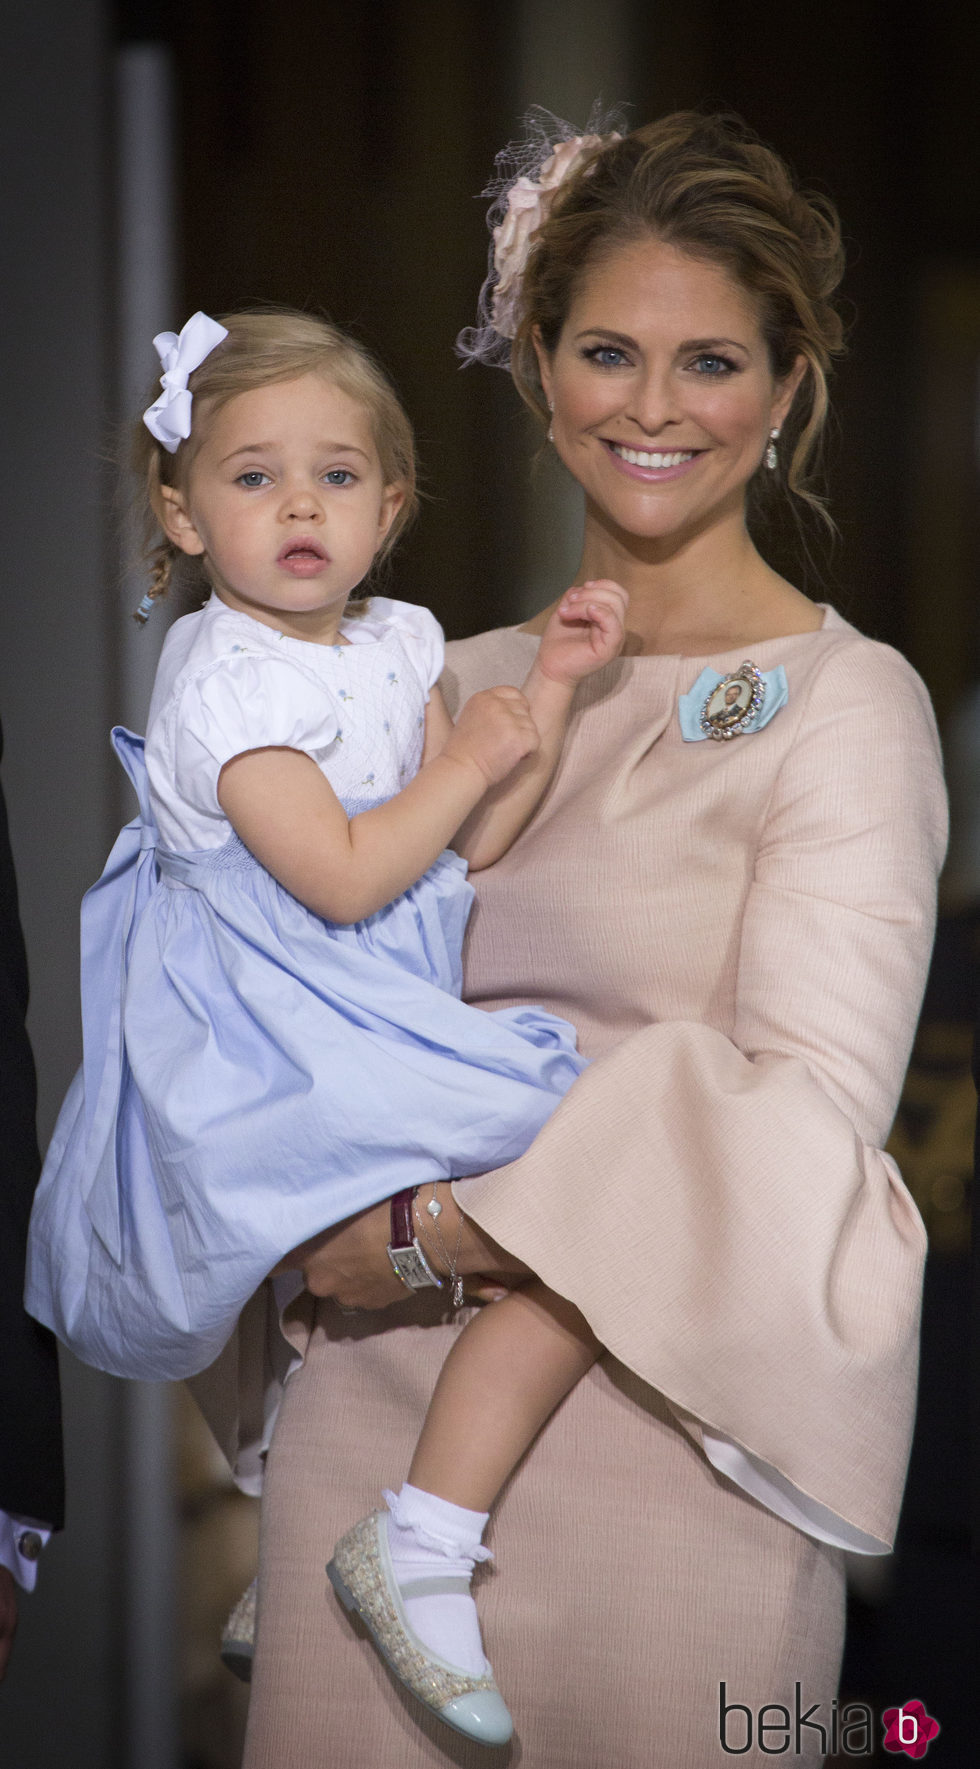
(350, 1262)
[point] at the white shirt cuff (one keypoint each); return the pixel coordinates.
(21, 1542)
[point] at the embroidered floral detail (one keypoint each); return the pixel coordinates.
(736, 705)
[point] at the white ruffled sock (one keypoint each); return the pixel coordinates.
(432, 1540)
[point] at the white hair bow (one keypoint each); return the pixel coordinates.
(169, 417)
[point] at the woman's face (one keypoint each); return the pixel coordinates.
(663, 392)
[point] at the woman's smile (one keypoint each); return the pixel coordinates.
(653, 465)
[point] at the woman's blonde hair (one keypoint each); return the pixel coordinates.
(707, 185)
(264, 346)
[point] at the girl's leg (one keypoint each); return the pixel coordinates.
(503, 1379)
(505, 1375)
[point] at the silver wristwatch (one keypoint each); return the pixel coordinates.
(406, 1255)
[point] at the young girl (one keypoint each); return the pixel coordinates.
(273, 1033)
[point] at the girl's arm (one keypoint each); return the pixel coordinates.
(289, 817)
(586, 630)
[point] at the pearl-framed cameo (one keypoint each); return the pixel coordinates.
(734, 703)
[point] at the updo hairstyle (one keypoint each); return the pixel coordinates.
(707, 185)
(262, 347)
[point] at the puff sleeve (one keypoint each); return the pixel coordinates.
(761, 1264)
(420, 632)
(240, 703)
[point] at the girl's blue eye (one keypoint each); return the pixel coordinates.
(339, 476)
(253, 478)
(605, 356)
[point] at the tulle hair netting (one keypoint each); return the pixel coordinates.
(522, 188)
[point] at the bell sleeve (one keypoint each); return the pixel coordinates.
(719, 1208)
(244, 702)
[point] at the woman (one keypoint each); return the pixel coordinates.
(736, 913)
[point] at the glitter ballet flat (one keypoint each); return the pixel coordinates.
(361, 1573)
(238, 1635)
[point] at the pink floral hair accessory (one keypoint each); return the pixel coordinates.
(529, 174)
(529, 201)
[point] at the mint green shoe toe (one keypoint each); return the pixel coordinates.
(483, 1715)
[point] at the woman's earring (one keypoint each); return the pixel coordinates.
(551, 427)
(771, 457)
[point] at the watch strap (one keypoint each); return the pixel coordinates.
(402, 1220)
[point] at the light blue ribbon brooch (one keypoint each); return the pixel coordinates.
(723, 707)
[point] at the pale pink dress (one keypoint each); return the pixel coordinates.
(740, 931)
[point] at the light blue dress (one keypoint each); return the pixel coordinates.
(253, 1074)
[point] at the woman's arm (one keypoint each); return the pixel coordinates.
(289, 817)
(351, 1264)
(585, 632)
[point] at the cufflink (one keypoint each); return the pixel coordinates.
(29, 1545)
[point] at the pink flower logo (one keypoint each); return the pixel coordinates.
(909, 1729)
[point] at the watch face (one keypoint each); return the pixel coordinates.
(413, 1268)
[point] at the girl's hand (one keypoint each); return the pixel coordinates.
(493, 733)
(584, 632)
(350, 1262)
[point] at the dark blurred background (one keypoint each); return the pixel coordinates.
(157, 159)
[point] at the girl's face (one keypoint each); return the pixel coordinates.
(663, 392)
(285, 502)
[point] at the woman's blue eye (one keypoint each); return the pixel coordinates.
(339, 476)
(606, 356)
(709, 364)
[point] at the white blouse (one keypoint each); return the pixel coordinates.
(227, 683)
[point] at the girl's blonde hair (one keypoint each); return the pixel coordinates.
(707, 185)
(262, 347)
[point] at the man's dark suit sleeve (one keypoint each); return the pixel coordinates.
(31, 1468)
